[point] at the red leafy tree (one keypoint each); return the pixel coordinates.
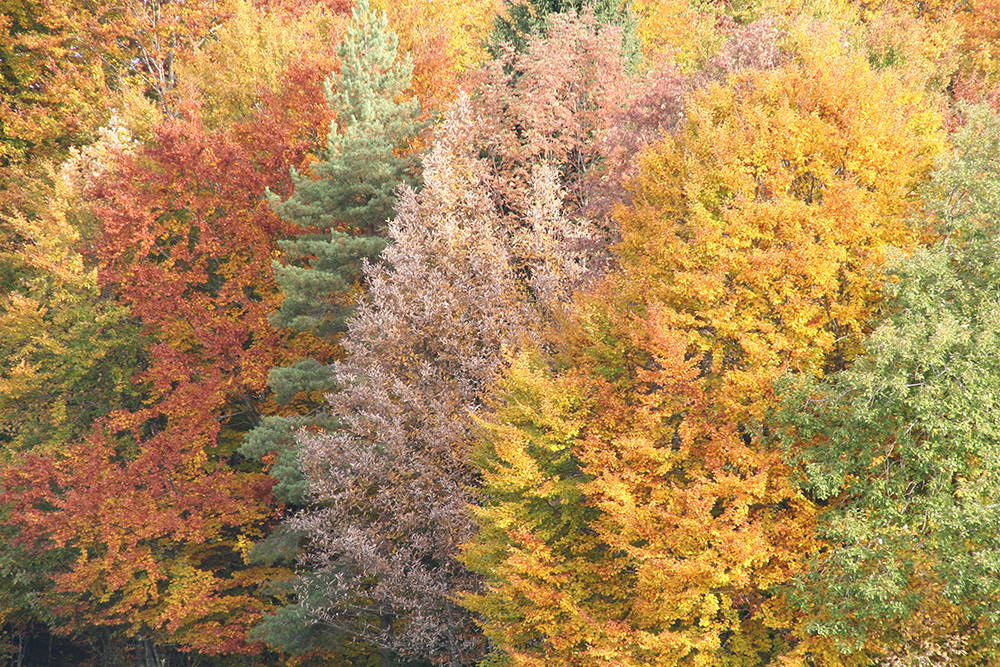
(156, 505)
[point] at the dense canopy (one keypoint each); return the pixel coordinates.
(506, 332)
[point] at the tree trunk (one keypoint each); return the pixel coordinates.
(385, 625)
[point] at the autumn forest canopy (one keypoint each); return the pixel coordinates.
(499, 333)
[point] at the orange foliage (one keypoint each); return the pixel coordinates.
(634, 510)
(444, 38)
(760, 225)
(154, 503)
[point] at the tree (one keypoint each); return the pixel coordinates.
(529, 19)
(614, 527)
(53, 78)
(253, 53)
(902, 448)
(390, 487)
(570, 101)
(446, 40)
(369, 155)
(156, 34)
(70, 354)
(677, 30)
(633, 510)
(740, 223)
(153, 503)
(355, 182)
(556, 103)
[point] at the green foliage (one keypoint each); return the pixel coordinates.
(904, 446)
(527, 18)
(274, 436)
(369, 156)
(320, 297)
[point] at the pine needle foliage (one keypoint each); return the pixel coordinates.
(369, 155)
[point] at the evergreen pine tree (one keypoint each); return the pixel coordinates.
(350, 199)
(352, 194)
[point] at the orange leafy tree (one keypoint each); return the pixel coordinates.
(633, 512)
(444, 39)
(155, 504)
(54, 58)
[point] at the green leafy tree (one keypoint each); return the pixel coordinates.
(903, 448)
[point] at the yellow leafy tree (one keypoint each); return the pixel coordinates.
(634, 511)
(675, 28)
(252, 53)
(444, 38)
(761, 223)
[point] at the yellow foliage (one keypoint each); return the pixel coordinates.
(967, 30)
(464, 23)
(762, 225)
(675, 29)
(444, 38)
(251, 51)
(634, 510)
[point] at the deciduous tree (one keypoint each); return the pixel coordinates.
(522, 21)
(55, 58)
(392, 485)
(633, 511)
(445, 40)
(253, 53)
(902, 448)
(70, 354)
(153, 503)
(555, 103)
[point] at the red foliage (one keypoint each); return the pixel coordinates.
(152, 502)
(556, 103)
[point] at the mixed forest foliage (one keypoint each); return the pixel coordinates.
(510, 333)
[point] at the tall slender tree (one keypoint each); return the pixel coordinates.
(391, 486)
(370, 152)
